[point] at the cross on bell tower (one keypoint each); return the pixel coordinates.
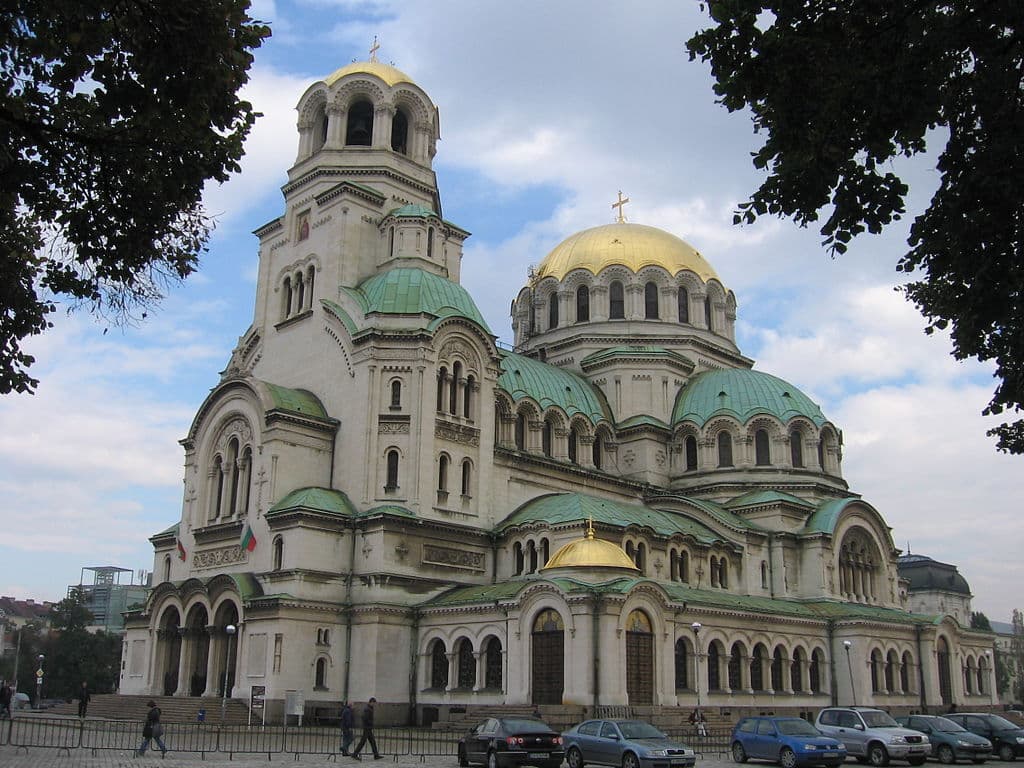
(620, 205)
(374, 48)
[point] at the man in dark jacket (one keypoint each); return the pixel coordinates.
(368, 732)
(347, 720)
(83, 699)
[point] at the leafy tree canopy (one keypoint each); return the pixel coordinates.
(70, 615)
(112, 117)
(839, 89)
(980, 621)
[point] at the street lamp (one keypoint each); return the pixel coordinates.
(230, 630)
(849, 666)
(696, 659)
(39, 682)
(991, 678)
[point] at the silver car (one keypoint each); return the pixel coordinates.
(629, 743)
(872, 735)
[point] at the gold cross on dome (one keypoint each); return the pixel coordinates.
(620, 204)
(374, 48)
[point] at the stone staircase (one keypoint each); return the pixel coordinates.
(173, 709)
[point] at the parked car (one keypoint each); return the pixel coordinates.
(1007, 738)
(501, 742)
(873, 735)
(626, 743)
(788, 741)
(950, 741)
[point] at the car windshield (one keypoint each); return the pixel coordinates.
(878, 719)
(796, 727)
(517, 725)
(637, 729)
(1001, 723)
(946, 725)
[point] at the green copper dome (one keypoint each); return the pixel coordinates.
(525, 377)
(742, 394)
(410, 291)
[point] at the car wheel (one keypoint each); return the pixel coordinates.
(492, 759)
(946, 755)
(1006, 753)
(574, 758)
(877, 755)
(463, 762)
(629, 760)
(739, 754)
(787, 758)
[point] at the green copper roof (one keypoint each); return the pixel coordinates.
(754, 498)
(411, 291)
(636, 350)
(742, 393)
(389, 509)
(825, 517)
(560, 508)
(324, 500)
(247, 584)
(296, 401)
(414, 210)
(642, 420)
(340, 313)
(525, 377)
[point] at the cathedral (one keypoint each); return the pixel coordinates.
(381, 500)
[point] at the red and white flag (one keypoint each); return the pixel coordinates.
(248, 542)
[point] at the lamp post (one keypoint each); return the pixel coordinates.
(39, 681)
(991, 678)
(696, 659)
(230, 629)
(849, 666)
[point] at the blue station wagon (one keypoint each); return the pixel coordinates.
(788, 741)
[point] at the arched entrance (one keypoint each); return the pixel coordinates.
(639, 659)
(548, 657)
(170, 641)
(226, 647)
(197, 635)
(945, 680)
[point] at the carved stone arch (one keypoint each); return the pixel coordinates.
(576, 278)
(658, 275)
(559, 420)
(344, 96)
(614, 272)
(545, 287)
(453, 346)
(582, 425)
(313, 102)
(529, 408)
(503, 404)
(773, 426)
(730, 304)
(689, 280)
(483, 341)
(232, 426)
(723, 423)
(191, 590)
(715, 291)
(413, 103)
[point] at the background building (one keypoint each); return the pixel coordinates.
(108, 593)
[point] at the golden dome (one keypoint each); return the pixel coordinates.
(634, 246)
(385, 72)
(590, 552)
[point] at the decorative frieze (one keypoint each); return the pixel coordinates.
(215, 558)
(457, 433)
(454, 558)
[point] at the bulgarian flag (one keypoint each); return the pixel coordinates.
(248, 542)
(181, 551)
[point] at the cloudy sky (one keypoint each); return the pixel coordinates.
(547, 110)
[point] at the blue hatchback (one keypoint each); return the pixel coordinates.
(788, 741)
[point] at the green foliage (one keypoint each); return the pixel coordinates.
(980, 621)
(840, 89)
(70, 616)
(113, 115)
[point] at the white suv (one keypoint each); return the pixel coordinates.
(873, 735)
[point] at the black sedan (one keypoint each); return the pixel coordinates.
(1007, 738)
(504, 742)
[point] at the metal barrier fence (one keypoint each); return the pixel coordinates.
(67, 733)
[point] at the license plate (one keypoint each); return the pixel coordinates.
(538, 756)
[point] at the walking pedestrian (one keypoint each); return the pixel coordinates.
(347, 721)
(152, 730)
(368, 732)
(83, 699)
(6, 695)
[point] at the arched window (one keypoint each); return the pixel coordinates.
(396, 394)
(327, 636)
(796, 447)
(814, 672)
(167, 568)
(757, 669)
(764, 575)
(876, 669)
(552, 310)
(641, 557)
(683, 300)
(442, 381)
(492, 665)
(582, 304)
(707, 313)
(651, 301)
(467, 476)
(442, 473)
(467, 398)
(360, 125)
(890, 671)
(466, 665)
(517, 551)
(520, 432)
(400, 132)
(616, 301)
(684, 566)
(278, 553)
(453, 392)
(777, 670)
(547, 437)
(723, 573)
(321, 674)
(796, 677)
(310, 277)
(232, 467)
(682, 665)
(300, 291)
(597, 450)
(545, 552)
(438, 666)
(724, 449)
(574, 438)
(531, 551)
(714, 666)
(392, 479)
(762, 450)
(735, 665)
(821, 454)
(905, 673)
(391, 242)
(286, 298)
(218, 497)
(714, 571)
(691, 453)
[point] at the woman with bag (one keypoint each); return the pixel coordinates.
(152, 730)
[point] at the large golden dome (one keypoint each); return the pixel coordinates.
(633, 246)
(385, 72)
(590, 552)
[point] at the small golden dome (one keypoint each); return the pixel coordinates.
(385, 72)
(634, 246)
(590, 552)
